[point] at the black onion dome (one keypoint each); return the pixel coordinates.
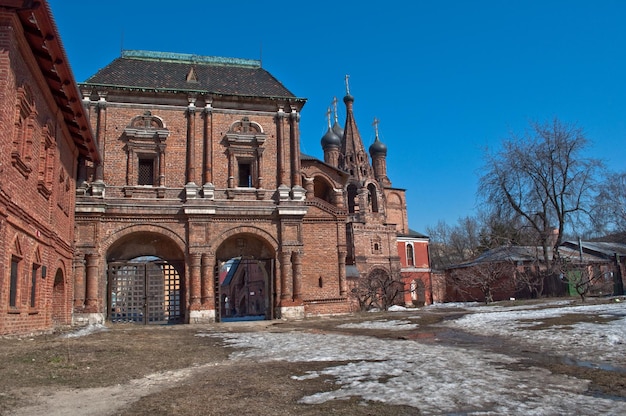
(378, 148)
(348, 98)
(330, 139)
(338, 130)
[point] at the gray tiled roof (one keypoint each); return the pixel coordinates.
(158, 70)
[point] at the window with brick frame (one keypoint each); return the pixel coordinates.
(244, 141)
(46, 162)
(410, 261)
(145, 138)
(63, 191)
(145, 170)
(14, 281)
(25, 127)
(245, 174)
(33, 284)
(377, 245)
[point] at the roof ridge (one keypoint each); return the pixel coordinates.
(189, 58)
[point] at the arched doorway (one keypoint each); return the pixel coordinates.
(59, 311)
(244, 279)
(145, 280)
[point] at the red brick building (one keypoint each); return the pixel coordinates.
(202, 173)
(44, 133)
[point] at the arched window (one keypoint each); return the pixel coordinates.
(26, 115)
(352, 206)
(373, 197)
(322, 190)
(409, 255)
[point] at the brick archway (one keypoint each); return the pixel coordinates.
(146, 279)
(59, 300)
(244, 278)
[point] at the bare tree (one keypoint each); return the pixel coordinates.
(451, 245)
(583, 277)
(610, 205)
(544, 179)
(378, 290)
(488, 278)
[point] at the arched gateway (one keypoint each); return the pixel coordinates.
(244, 279)
(145, 280)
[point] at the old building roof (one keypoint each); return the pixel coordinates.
(186, 72)
(603, 248)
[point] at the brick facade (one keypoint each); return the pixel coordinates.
(225, 180)
(40, 149)
(180, 195)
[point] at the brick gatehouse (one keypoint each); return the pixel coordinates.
(170, 188)
(202, 180)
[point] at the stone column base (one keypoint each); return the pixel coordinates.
(83, 319)
(202, 316)
(291, 312)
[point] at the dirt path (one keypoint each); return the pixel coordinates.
(100, 401)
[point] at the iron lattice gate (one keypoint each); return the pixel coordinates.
(146, 292)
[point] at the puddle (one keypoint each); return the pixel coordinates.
(494, 344)
(596, 366)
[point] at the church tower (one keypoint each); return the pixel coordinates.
(353, 157)
(378, 152)
(371, 236)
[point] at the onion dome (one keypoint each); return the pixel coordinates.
(378, 148)
(338, 130)
(330, 139)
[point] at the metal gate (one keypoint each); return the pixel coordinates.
(145, 292)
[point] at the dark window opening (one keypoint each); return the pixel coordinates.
(33, 285)
(13, 284)
(245, 175)
(373, 198)
(409, 255)
(352, 207)
(145, 175)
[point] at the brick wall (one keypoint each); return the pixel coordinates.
(36, 224)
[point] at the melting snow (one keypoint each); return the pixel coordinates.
(86, 330)
(440, 379)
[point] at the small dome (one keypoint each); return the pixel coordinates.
(338, 130)
(330, 139)
(348, 98)
(378, 148)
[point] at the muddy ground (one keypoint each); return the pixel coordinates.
(154, 370)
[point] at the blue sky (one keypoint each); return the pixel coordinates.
(446, 79)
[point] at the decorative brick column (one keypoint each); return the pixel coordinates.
(296, 259)
(207, 284)
(280, 151)
(342, 274)
(91, 304)
(285, 276)
(208, 149)
(194, 280)
(191, 142)
(294, 138)
(79, 282)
